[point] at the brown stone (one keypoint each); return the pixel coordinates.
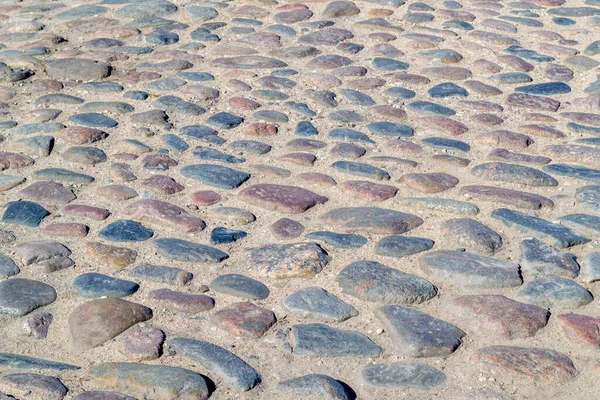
(80, 210)
(244, 319)
(305, 159)
(403, 146)
(161, 212)
(316, 178)
(72, 229)
(364, 190)
(507, 155)
(243, 103)
(109, 256)
(444, 124)
(182, 302)
(14, 160)
(81, 135)
(117, 192)
(293, 260)
(260, 129)
(429, 182)
(48, 192)
(507, 139)
(580, 329)
(286, 199)
(542, 130)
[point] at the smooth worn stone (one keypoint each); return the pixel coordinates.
(250, 147)
(37, 146)
(470, 271)
(447, 89)
(286, 199)
(83, 211)
(288, 260)
(7, 267)
(162, 274)
(25, 213)
(349, 135)
(40, 250)
(416, 334)
(78, 69)
(240, 286)
(117, 192)
(215, 175)
(448, 144)
(507, 155)
(390, 129)
(162, 184)
(229, 368)
(429, 182)
(102, 395)
(143, 344)
(580, 329)
(315, 385)
(98, 321)
(547, 89)
(81, 135)
(18, 361)
(505, 139)
(573, 153)
(93, 285)
(401, 246)
(159, 381)
(574, 171)
(286, 229)
(375, 282)
(364, 190)
(183, 250)
(327, 37)
(8, 182)
(526, 364)
(441, 205)
(513, 173)
(402, 375)
(529, 101)
(537, 258)
(316, 303)
(555, 234)
(93, 120)
(361, 169)
(48, 192)
(33, 386)
(244, 320)
(125, 231)
(222, 235)
(453, 161)
(589, 197)
(62, 175)
(510, 197)
(110, 256)
(84, 155)
(339, 240)
(19, 296)
(472, 235)
(511, 78)
(249, 62)
(231, 215)
(426, 107)
(498, 316)
(585, 223)
(181, 302)
(164, 214)
(347, 150)
(320, 340)
(554, 292)
(372, 220)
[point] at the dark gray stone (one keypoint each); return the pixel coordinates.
(162, 274)
(590, 270)
(588, 224)
(93, 285)
(589, 197)
(215, 175)
(240, 286)
(319, 340)
(21, 296)
(340, 240)
(7, 267)
(537, 258)
(316, 303)
(19, 361)
(402, 375)
(574, 171)
(554, 292)
(472, 235)
(125, 230)
(316, 385)
(183, 250)
(25, 213)
(401, 246)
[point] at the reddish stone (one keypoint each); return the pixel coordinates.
(161, 212)
(72, 229)
(507, 139)
(366, 84)
(538, 117)
(487, 66)
(389, 112)
(580, 329)
(48, 192)
(530, 201)
(287, 199)
(117, 192)
(110, 256)
(531, 364)
(583, 118)
(274, 172)
(316, 178)
(403, 146)
(14, 160)
(182, 302)
(506, 155)
(515, 63)
(121, 172)
(158, 162)
(444, 124)
(487, 119)
(46, 85)
(542, 130)
(81, 135)
(305, 159)
(482, 106)
(409, 78)
(429, 182)
(260, 129)
(80, 210)
(530, 101)
(244, 319)
(286, 229)
(137, 77)
(162, 184)
(364, 190)
(574, 153)
(206, 198)
(143, 344)
(497, 315)
(243, 103)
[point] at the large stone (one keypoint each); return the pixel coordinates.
(537, 258)
(402, 375)
(288, 260)
(509, 197)
(401, 246)
(110, 256)
(554, 292)
(372, 220)
(215, 175)
(93, 285)
(513, 173)
(25, 213)
(580, 329)
(316, 303)
(472, 235)
(319, 340)
(18, 361)
(589, 197)
(240, 286)
(286, 199)
(78, 69)
(151, 381)
(40, 250)
(34, 386)
(21, 296)
(97, 321)
(375, 282)
(161, 213)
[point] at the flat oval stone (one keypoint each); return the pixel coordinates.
(78, 69)
(25, 213)
(537, 258)
(19, 296)
(286, 199)
(181, 302)
(183, 250)
(429, 182)
(588, 197)
(288, 260)
(441, 205)
(93, 285)
(574, 171)
(125, 231)
(401, 246)
(240, 286)
(371, 219)
(513, 173)
(249, 62)
(318, 385)
(361, 169)
(340, 240)
(470, 271)
(111, 256)
(554, 292)
(402, 375)
(320, 340)
(588, 224)
(215, 175)
(47, 387)
(508, 196)
(529, 101)
(472, 235)
(162, 274)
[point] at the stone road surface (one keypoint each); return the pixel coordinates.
(262, 199)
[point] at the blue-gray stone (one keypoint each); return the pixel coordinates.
(449, 144)
(204, 35)
(250, 146)
(7, 267)
(58, 98)
(558, 235)
(447, 89)
(94, 120)
(103, 87)
(84, 155)
(578, 128)
(390, 129)
(320, 340)
(162, 274)
(284, 72)
(247, 21)
(427, 107)
(62, 175)
(511, 77)
(456, 24)
(199, 13)
(224, 120)
(270, 116)
(562, 21)
(440, 204)
(358, 98)
(590, 270)
(169, 83)
(161, 36)
(593, 48)
(419, 18)
(305, 128)
(345, 116)
(222, 235)
(574, 171)
(232, 370)
(547, 88)
(300, 108)
(523, 21)
(198, 132)
(349, 135)
(178, 105)
(117, 107)
(589, 197)
(133, 50)
(401, 246)
(19, 296)
(316, 303)
(585, 223)
(269, 94)
(196, 76)
(350, 48)
(93, 285)
(402, 375)
(554, 292)
(240, 286)
(19, 361)
(452, 5)
(282, 30)
(125, 230)
(42, 127)
(341, 240)
(574, 11)
(529, 54)
(388, 64)
(215, 175)
(361, 169)
(399, 93)
(147, 9)
(210, 154)
(537, 258)
(81, 12)
(444, 56)
(25, 213)
(316, 386)
(590, 141)
(183, 250)
(174, 142)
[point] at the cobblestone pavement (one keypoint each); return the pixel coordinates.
(328, 199)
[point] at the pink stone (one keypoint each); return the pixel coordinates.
(80, 210)
(66, 229)
(182, 302)
(244, 319)
(364, 190)
(206, 197)
(143, 344)
(502, 138)
(117, 192)
(444, 124)
(286, 228)
(161, 212)
(162, 184)
(287, 199)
